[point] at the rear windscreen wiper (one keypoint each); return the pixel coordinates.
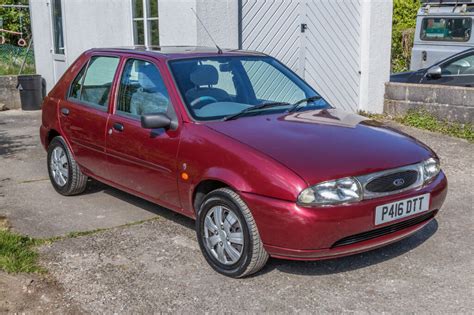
(256, 107)
(295, 106)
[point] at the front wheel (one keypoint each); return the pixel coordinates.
(228, 235)
(64, 173)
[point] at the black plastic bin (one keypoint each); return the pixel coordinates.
(31, 91)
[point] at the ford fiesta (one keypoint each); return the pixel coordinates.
(239, 142)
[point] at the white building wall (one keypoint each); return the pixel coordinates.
(86, 23)
(344, 53)
(376, 39)
(179, 26)
(42, 40)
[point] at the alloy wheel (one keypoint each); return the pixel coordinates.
(59, 166)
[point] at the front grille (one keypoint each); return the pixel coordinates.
(392, 182)
(384, 230)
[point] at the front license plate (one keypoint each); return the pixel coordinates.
(401, 209)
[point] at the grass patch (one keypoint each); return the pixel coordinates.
(427, 121)
(17, 253)
(424, 120)
(14, 69)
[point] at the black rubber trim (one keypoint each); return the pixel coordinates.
(384, 230)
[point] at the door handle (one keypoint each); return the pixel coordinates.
(118, 126)
(65, 111)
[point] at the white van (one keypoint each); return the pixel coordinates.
(443, 28)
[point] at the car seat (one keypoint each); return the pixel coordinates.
(204, 77)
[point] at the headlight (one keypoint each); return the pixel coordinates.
(331, 192)
(431, 168)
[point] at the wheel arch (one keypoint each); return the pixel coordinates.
(216, 178)
(50, 135)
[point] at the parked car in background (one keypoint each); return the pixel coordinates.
(456, 70)
(239, 142)
(443, 28)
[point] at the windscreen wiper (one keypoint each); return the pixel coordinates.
(295, 106)
(256, 107)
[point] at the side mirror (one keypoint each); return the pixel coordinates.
(434, 72)
(155, 121)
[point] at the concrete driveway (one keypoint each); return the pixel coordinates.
(157, 265)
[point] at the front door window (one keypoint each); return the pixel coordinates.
(142, 90)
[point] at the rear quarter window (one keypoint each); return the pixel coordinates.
(446, 29)
(93, 83)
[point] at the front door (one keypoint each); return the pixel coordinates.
(142, 160)
(458, 72)
(84, 114)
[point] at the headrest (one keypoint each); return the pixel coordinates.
(148, 76)
(204, 75)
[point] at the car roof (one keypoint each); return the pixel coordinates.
(179, 52)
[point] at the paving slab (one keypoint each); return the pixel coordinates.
(32, 205)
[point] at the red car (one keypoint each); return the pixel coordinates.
(239, 142)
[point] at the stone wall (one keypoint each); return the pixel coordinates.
(451, 103)
(9, 95)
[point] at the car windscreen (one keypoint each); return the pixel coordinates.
(217, 87)
(446, 29)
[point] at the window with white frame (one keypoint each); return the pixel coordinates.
(145, 22)
(57, 22)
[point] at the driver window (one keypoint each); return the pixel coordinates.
(462, 66)
(141, 90)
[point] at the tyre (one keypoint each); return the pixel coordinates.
(228, 235)
(63, 170)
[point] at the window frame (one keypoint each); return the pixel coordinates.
(61, 55)
(445, 40)
(107, 106)
(145, 19)
(123, 114)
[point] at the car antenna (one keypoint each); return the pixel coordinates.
(219, 50)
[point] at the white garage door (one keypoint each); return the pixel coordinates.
(326, 53)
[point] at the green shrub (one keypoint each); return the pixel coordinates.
(403, 30)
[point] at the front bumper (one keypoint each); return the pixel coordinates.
(290, 231)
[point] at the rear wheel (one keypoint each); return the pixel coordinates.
(64, 173)
(228, 235)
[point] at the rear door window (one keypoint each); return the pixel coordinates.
(446, 29)
(92, 85)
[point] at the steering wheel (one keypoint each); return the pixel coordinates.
(202, 101)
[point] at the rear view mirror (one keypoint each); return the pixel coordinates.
(434, 72)
(155, 121)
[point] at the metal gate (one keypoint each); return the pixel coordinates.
(318, 39)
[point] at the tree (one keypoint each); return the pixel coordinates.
(403, 30)
(10, 18)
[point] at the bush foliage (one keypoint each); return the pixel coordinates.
(403, 30)
(10, 20)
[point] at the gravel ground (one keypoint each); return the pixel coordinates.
(157, 265)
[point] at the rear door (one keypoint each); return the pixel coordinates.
(84, 112)
(142, 160)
